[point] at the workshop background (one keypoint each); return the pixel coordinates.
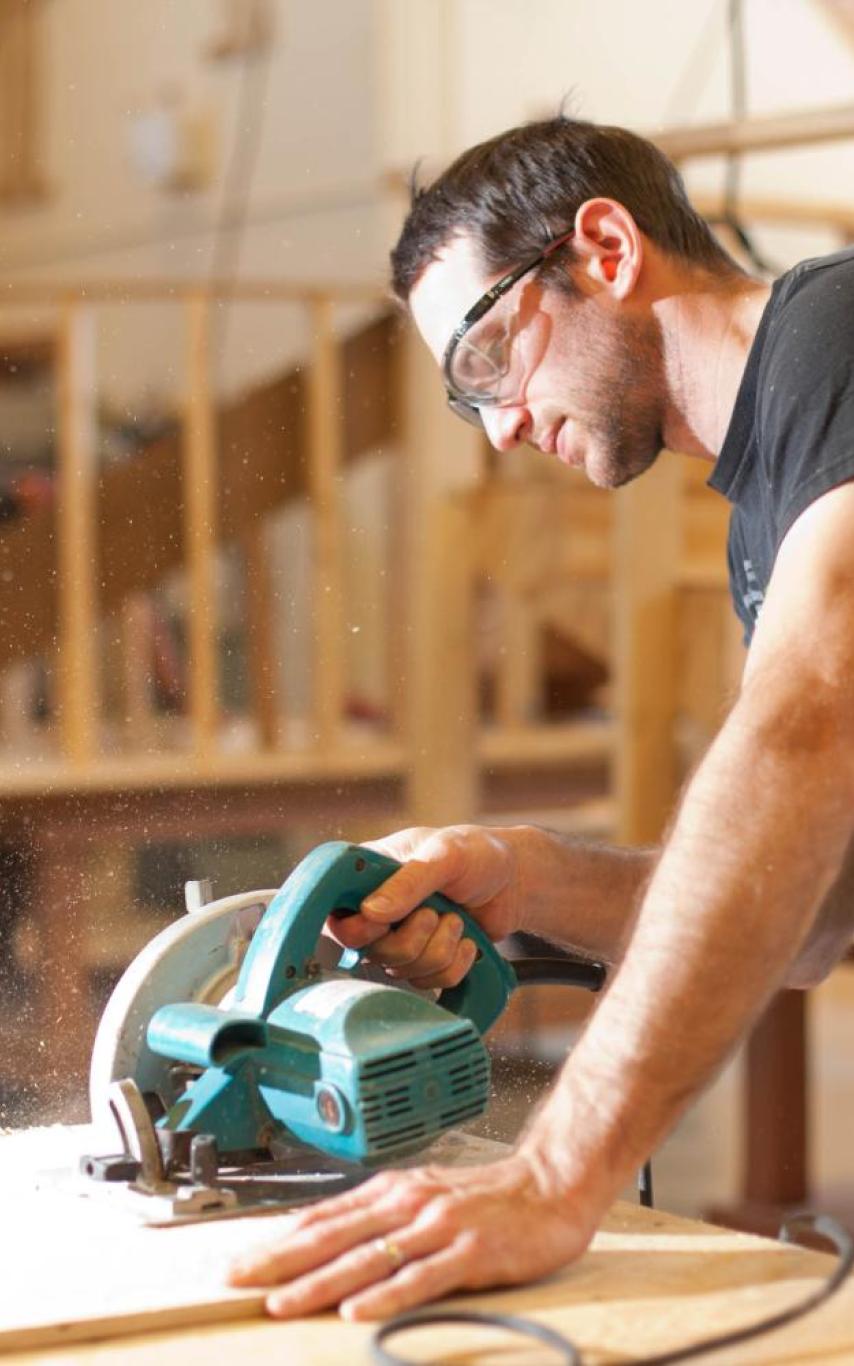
(258, 588)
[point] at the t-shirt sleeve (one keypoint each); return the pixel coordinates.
(744, 598)
(806, 397)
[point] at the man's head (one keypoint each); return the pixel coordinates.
(567, 356)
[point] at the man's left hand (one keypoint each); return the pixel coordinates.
(406, 1237)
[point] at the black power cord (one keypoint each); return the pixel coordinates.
(645, 1186)
(820, 1224)
(526, 1328)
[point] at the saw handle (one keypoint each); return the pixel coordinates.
(485, 990)
(335, 878)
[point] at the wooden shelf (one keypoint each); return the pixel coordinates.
(568, 742)
(375, 759)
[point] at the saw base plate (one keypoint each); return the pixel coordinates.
(266, 1186)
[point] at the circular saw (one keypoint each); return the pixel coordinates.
(242, 1036)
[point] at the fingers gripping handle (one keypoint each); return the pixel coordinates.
(335, 878)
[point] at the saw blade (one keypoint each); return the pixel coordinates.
(198, 959)
(195, 959)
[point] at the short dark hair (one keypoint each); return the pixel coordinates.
(520, 189)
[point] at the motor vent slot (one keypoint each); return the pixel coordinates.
(395, 1062)
(429, 1089)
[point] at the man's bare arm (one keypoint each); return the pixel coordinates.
(578, 893)
(757, 845)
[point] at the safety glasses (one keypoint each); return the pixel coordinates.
(485, 362)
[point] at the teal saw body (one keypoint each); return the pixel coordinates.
(364, 1071)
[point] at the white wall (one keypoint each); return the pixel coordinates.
(644, 65)
(357, 87)
(313, 207)
(106, 60)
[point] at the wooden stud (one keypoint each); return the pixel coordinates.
(137, 647)
(519, 664)
(800, 128)
(324, 454)
(199, 467)
(798, 212)
(440, 453)
(77, 534)
(444, 772)
(646, 557)
(260, 657)
(21, 94)
(396, 596)
(159, 290)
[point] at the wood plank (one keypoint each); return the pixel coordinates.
(800, 128)
(323, 416)
(518, 666)
(814, 213)
(132, 289)
(646, 554)
(108, 1272)
(444, 776)
(200, 499)
(262, 664)
(442, 455)
(566, 742)
(354, 758)
(351, 760)
(397, 597)
(77, 549)
(649, 1283)
(136, 631)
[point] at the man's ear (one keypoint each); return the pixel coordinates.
(609, 244)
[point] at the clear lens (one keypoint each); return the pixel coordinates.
(493, 361)
(482, 360)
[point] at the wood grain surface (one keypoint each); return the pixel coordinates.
(80, 1283)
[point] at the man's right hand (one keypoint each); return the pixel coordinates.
(469, 864)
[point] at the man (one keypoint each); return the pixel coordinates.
(602, 322)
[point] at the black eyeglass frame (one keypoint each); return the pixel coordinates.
(457, 401)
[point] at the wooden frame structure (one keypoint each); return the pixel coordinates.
(433, 764)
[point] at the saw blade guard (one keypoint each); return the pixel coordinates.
(334, 879)
(195, 958)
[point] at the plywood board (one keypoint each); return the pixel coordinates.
(80, 1265)
(651, 1282)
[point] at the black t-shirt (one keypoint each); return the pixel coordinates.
(791, 435)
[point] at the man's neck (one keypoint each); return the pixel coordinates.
(707, 330)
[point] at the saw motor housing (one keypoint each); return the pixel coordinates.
(361, 1071)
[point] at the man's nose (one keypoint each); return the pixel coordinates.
(506, 427)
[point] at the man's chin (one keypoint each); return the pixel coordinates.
(608, 471)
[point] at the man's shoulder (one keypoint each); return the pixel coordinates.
(832, 272)
(816, 283)
(811, 327)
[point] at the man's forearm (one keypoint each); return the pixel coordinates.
(579, 893)
(757, 843)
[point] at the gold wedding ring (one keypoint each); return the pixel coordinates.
(395, 1254)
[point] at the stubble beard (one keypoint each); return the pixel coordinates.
(627, 406)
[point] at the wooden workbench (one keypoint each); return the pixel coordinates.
(80, 1286)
